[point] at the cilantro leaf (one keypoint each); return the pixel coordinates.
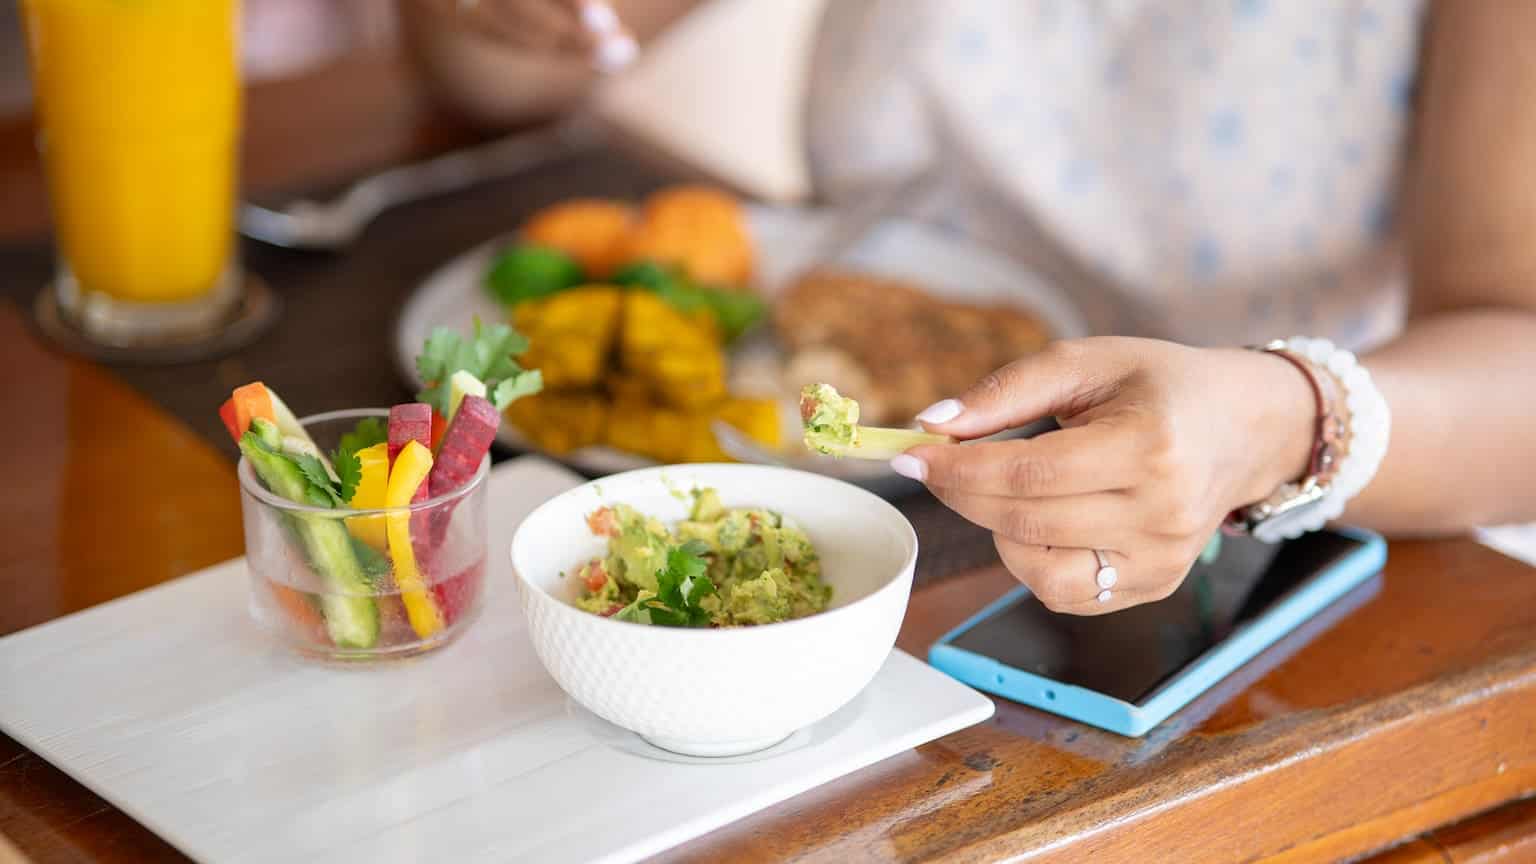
(368, 432)
(521, 384)
(490, 354)
(436, 354)
(374, 565)
(314, 471)
(350, 470)
(663, 616)
(685, 566)
(680, 585)
(636, 612)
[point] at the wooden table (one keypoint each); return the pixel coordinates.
(1416, 710)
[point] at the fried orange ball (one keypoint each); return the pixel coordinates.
(699, 228)
(590, 230)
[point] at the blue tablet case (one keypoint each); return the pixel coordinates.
(1126, 718)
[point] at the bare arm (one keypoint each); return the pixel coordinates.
(507, 62)
(1461, 378)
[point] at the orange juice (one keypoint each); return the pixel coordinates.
(139, 105)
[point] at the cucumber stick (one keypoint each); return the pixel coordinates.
(351, 618)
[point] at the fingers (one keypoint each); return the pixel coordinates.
(540, 25)
(1097, 457)
(548, 26)
(1103, 521)
(1064, 379)
(614, 46)
(1064, 580)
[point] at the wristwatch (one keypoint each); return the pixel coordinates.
(1293, 504)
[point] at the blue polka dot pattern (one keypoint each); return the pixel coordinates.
(1402, 90)
(971, 45)
(1226, 129)
(1281, 179)
(1250, 8)
(1205, 258)
(1225, 170)
(1379, 217)
(1076, 175)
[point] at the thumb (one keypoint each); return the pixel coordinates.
(1064, 379)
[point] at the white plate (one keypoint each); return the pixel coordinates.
(173, 706)
(453, 296)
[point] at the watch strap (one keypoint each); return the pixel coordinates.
(1329, 446)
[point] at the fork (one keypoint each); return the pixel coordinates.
(335, 224)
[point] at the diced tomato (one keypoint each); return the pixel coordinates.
(808, 406)
(252, 401)
(230, 418)
(596, 576)
(603, 523)
(612, 610)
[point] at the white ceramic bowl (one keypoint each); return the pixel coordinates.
(721, 692)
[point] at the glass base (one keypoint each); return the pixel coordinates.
(350, 657)
(116, 331)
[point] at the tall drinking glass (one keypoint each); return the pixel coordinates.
(138, 108)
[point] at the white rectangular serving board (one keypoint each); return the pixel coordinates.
(172, 705)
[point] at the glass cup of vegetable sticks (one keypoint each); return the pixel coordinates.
(364, 584)
(138, 111)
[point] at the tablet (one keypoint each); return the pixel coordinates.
(1127, 671)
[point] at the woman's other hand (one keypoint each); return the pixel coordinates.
(1159, 442)
(508, 62)
(545, 26)
(588, 29)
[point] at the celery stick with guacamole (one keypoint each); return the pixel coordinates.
(832, 428)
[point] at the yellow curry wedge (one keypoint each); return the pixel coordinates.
(570, 335)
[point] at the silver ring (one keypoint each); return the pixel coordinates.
(1106, 577)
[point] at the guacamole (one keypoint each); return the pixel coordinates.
(757, 568)
(831, 419)
(832, 428)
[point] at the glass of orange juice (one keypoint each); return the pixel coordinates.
(138, 107)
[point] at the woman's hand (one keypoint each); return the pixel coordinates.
(550, 27)
(1159, 442)
(504, 63)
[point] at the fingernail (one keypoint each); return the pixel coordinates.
(910, 467)
(941, 412)
(616, 52)
(599, 17)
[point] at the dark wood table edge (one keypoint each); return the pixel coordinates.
(1102, 818)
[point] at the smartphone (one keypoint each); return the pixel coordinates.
(1129, 670)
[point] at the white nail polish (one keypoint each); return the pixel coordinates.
(941, 412)
(615, 52)
(1104, 596)
(599, 17)
(910, 467)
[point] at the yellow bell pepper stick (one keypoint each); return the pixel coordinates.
(410, 470)
(369, 495)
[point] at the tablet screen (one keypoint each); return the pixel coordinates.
(1128, 654)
